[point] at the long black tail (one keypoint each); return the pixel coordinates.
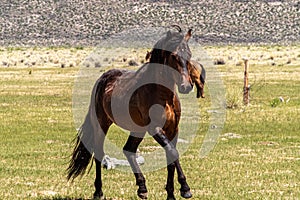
(80, 160)
(89, 139)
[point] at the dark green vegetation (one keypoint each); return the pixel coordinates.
(257, 156)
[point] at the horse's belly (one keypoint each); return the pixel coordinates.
(126, 115)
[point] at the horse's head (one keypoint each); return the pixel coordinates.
(173, 51)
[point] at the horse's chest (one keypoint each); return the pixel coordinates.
(169, 113)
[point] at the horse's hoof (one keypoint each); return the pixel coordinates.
(98, 196)
(171, 198)
(143, 195)
(186, 194)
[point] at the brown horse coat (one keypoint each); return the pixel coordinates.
(197, 74)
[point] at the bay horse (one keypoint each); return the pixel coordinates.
(139, 101)
(198, 76)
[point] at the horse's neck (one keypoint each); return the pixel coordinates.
(156, 74)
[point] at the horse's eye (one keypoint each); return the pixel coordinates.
(176, 57)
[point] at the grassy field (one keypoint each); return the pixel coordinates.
(257, 155)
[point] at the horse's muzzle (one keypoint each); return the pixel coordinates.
(185, 88)
(185, 84)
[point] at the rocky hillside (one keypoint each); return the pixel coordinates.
(86, 22)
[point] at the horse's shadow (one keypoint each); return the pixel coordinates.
(70, 198)
(64, 198)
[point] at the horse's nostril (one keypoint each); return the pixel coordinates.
(185, 88)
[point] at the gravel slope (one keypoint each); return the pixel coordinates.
(86, 22)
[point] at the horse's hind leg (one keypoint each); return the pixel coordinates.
(185, 191)
(98, 181)
(99, 153)
(171, 172)
(129, 150)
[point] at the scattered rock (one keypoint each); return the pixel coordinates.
(48, 193)
(231, 136)
(97, 64)
(132, 63)
(219, 61)
(281, 99)
(111, 163)
(239, 63)
(268, 143)
(4, 63)
(179, 140)
(238, 21)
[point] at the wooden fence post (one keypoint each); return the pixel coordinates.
(246, 83)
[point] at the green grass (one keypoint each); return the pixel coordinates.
(37, 128)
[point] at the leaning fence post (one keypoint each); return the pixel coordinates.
(246, 83)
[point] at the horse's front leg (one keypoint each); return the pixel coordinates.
(173, 161)
(129, 150)
(171, 154)
(170, 181)
(185, 190)
(171, 172)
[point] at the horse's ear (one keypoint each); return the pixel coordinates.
(188, 35)
(177, 27)
(148, 55)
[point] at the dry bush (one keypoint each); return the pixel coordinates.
(234, 98)
(219, 61)
(132, 63)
